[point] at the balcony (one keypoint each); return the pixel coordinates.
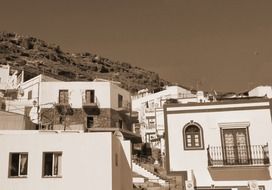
(90, 106)
(124, 106)
(88, 103)
(255, 155)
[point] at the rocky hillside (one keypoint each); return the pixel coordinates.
(35, 56)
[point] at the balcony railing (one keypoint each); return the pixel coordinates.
(88, 103)
(150, 110)
(237, 155)
(125, 106)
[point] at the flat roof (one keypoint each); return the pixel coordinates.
(128, 135)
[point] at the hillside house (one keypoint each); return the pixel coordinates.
(220, 145)
(73, 105)
(64, 160)
(10, 79)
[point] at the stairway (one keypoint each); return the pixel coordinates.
(148, 174)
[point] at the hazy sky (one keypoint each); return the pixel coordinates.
(224, 45)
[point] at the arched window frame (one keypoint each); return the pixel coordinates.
(185, 137)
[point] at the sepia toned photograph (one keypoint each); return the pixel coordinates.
(135, 95)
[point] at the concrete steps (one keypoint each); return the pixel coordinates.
(149, 175)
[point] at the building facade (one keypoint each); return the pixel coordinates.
(73, 105)
(64, 160)
(150, 112)
(146, 105)
(222, 145)
(10, 79)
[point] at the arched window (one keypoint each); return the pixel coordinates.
(193, 136)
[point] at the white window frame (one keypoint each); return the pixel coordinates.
(53, 175)
(19, 175)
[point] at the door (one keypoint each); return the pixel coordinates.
(89, 96)
(236, 146)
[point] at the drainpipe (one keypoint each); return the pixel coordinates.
(38, 110)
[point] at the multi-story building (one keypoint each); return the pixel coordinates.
(64, 160)
(220, 145)
(10, 79)
(150, 111)
(72, 105)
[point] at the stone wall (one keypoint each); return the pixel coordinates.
(77, 119)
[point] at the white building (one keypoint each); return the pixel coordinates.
(75, 105)
(64, 161)
(261, 91)
(222, 145)
(9, 79)
(150, 111)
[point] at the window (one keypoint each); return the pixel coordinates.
(116, 159)
(18, 164)
(90, 121)
(146, 105)
(193, 136)
(89, 96)
(120, 123)
(120, 101)
(63, 97)
(52, 164)
(29, 95)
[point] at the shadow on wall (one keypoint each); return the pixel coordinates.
(240, 173)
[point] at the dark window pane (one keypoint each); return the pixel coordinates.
(29, 95)
(48, 161)
(90, 121)
(14, 168)
(192, 128)
(120, 124)
(120, 101)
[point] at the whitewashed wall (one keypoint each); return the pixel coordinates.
(46, 92)
(86, 160)
(76, 90)
(114, 91)
(261, 91)
(260, 133)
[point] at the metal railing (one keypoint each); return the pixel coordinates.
(125, 106)
(87, 102)
(238, 155)
(143, 159)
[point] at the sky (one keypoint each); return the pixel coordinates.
(221, 45)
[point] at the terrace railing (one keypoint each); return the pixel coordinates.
(219, 156)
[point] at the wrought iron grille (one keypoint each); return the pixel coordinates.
(238, 155)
